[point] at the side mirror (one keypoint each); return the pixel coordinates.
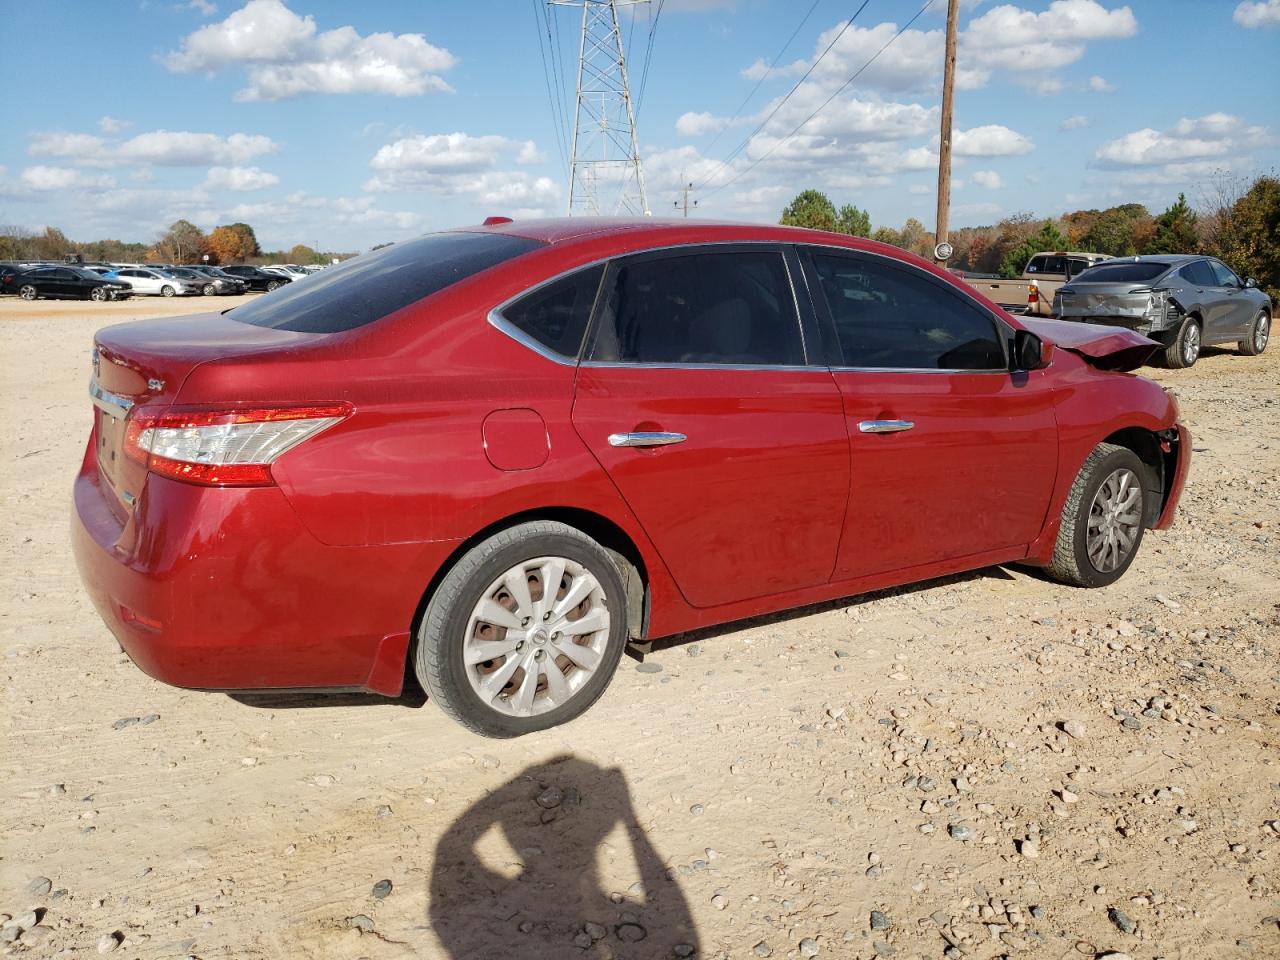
(1028, 352)
(1250, 283)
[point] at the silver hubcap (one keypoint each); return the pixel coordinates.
(1191, 344)
(1261, 331)
(536, 637)
(1115, 518)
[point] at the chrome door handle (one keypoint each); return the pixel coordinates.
(645, 439)
(885, 426)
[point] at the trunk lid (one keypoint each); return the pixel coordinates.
(1107, 348)
(144, 364)
(1126, 302)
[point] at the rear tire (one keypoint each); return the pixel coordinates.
(1259, 335)
(1102, 520)
(272, 285)
(28, 292)
(528, 653)
(1184, 349)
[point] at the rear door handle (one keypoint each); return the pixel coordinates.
(645, 439)
(885, 426)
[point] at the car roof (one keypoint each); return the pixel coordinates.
(1173, 259)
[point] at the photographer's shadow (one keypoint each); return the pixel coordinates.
(549, 899)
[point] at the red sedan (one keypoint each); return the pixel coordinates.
(500, 454)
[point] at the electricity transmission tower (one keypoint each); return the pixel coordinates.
(605, 176)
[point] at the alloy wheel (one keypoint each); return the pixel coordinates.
(1115, 519)
(1261, 332)
(28, 292)
(1191, 344)
(536, 636)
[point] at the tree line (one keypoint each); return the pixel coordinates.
(182, 242)
(1237, 221)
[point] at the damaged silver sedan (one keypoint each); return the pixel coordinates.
(1184, 302)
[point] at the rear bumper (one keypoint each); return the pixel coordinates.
(224, 589)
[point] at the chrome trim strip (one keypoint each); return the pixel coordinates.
(622, 365)
(915, 370)
(645, 439)
(111, 403)
(884, 426)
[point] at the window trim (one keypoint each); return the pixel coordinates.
(498, 320)
(1004, 332)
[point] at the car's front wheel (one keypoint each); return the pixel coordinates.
(525, 631)
(209, 289)
(1259, 334)
(167, 290)
(1184, 349)
(98, 293)
(1102, 520)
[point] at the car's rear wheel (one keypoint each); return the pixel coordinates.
(98, 293)
(525, 631)
(1259, 334)
(28, 292)
(1184, 349)
(1102, 520)
(167, 290)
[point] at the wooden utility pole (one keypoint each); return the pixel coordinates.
(944, 144)
(685, 191)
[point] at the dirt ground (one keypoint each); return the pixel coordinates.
(887, 776)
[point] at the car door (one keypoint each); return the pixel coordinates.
(1237, 309)
(700, 400)
(951, 455)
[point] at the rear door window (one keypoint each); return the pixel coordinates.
(891, 317)
(710, 307)
(555, 315)
(371, 286)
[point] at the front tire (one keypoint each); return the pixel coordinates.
(1102, 520)
(1259, 335)
(1184, 349)
(98, 293)
(167, 291)
(500, 657)
(209, 290)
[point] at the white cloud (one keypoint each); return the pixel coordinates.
(239, 178)
(110, 125)
(987, 178)
(159, 147)
(459, 163)
(286, 56)
(1074, 123)
(991, 140)
(1216, 135)
(1262, 13)
(42, 179)
(203, 7)
(1099, 85)
(1047, 86)
(696, 124)
(1010, 37)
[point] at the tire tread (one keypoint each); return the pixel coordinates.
(1065, 567)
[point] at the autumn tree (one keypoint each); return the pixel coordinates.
(233, 243)
(887, 235)
(1117, 230)
(50, 245)
(301, 253)
(1250, 236)
(183, 242)
(812, 209)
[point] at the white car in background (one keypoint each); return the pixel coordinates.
(148, 281)
(292, 271)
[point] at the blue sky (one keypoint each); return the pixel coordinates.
(351, 124)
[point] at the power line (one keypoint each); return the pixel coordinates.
(813, 66)
(648, 56)
(844, 86)
(556, 106)
(769, 72)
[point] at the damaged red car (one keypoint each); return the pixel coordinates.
(492, 457)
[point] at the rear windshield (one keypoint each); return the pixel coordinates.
(368, 287)
(1123, 272)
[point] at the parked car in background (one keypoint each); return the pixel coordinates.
(70, 282)
(255, 278)
(519, 447)
(223, 283)
(157, 283)
(1032, 293)
(209, 286)
(287, 270)
(1184, 302)
(8, 271)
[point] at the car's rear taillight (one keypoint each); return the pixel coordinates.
(224, 448)
(1033, 295)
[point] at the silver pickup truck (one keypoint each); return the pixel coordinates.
(1032, 293)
